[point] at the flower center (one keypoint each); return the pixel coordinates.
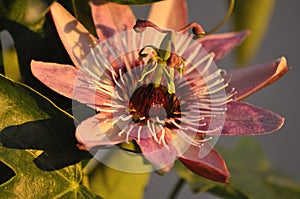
(153, 101)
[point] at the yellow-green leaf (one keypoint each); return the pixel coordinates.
(253, 15)
(20, 104)
(9, 56)
(114, 184)
(31, 182)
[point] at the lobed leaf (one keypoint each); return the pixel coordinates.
(31, 182)
(21, 104)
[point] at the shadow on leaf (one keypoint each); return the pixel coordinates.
(55, 137)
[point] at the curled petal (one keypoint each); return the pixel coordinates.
(170, 14)
(212, 166)
(111, 18)
(98, 130)
(62, 78)
(222, 44)
(76, 39)
(251, 79)
(245, 119)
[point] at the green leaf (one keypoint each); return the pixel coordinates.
(30, 13)
(114, 184)
(18, 104)
(133, 2)
(251, 175)
(10, 57)
(31, 121)
(255, 16)
(31, 182)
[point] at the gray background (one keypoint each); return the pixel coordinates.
(282, 39)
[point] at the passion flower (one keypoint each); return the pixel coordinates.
(170, 99)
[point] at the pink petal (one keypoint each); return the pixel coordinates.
(111, 18)
(170, 14)
(98, 131)
(212, 166)
(72, 33)
(251, 79)
(221, 44)
(159, 155)
(245, 119)
(63, 78)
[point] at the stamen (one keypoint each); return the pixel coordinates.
(209, 91)
(216, 102)
(125, 118)
(107, 111)
(177, 125)
(153, 128)
(188, 122)
(212, 56)
(128, 133)
(105, 86)
(116, 120)
(191, 119)
(139, 134)
(124, 45)
(159, 121)
(115, 81)
(152, 133)
(103, 91)
(207, 107)
(104, 62)
(123, 130)
(118, 96)
(209, 131)
(212, 76)
(121, 77)
(182, 44)
(113, 53)
(162, 137)
(183, 84)
(193, 67)
(94, 56)
(86, 70)
(114, 105)
(192, 141)
(211, 112)
(195, 52)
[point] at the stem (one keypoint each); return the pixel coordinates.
(229, 12)
(75, 9)
(177, 188)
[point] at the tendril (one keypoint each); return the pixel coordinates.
(225, 19)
